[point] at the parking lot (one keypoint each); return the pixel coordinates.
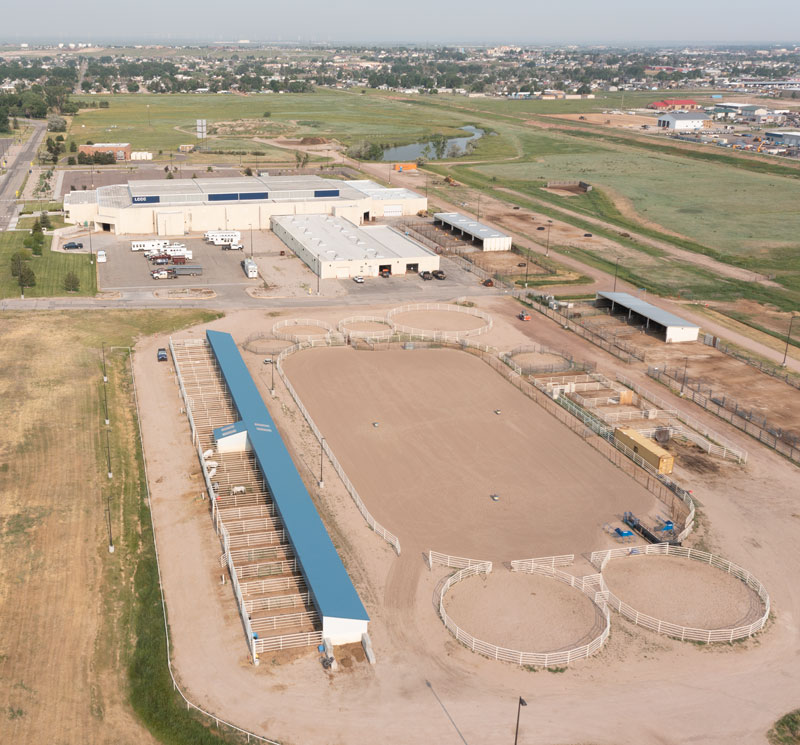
(281, 273)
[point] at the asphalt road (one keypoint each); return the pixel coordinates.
(15, 175)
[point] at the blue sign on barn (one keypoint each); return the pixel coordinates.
(146, 200)
(326, 193)
(223, 197)
(254, 195)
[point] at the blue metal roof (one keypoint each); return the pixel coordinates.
(329, 584)
(645, 309)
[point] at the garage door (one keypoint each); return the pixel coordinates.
(393, 210)
(342, 272)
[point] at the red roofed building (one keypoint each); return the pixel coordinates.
(673, 104)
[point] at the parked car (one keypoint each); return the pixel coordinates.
(439, 274)
(161, 355)
(426, 275)
(72, 245)
(488, 283)
(358, 279)
(232, 247)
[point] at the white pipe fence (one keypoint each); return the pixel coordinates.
(390, 538)
(458, 562)
(436, 335)
(524, 565)
(538, 659)
(385, 333)
(601, 558)
(287, 323)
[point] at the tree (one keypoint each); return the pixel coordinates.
(45, 220)
(26, 277)
(267, 114)
(170, 175)
(71, 282)
(248, 171)
(71, 162)
(56, 123)
(16, 263)
(73, 147)
(37, 226)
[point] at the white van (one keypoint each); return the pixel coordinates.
(250, 268)
(101, 257)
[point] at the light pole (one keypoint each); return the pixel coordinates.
(522, 702)
(148, 116)
(105, 376)
(273, 376)
(685, 365)
(91, 253)
(616, 269)
(251, 241)
(321, 456)
(549, 225)
(479, 206)
(108, 456)
(788, 337)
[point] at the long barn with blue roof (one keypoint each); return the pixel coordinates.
(344, 618)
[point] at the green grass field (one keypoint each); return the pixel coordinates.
(50, 269)
(346, 116)
(731, 210)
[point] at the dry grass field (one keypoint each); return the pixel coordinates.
(66, 604)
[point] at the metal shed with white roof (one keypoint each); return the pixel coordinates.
(676, 329)
(489, 239)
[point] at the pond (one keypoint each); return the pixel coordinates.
(450, 147)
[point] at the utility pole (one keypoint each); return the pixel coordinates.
(788, 337)
(685, 365)
(105, 376)
(616, 269)
(108, 517)
(108, 455)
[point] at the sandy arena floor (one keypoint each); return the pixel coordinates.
(683, 591)
(427, 471)
(527, 612)
(539, 359)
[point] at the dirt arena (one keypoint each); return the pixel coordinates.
(526, 612)
(428, 470)
(534, 360)
(683, 592)
(438, 320)
(505, 262)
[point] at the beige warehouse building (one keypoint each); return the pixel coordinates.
(181, 206)
(335, 248)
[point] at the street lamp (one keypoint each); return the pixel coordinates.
(549, 225)
(321, 456)
(251, 241)
(685, 365)
(788, 337)
(522, 702)
(616, 269)
(148, 115)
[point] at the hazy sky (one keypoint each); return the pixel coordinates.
(532, 21)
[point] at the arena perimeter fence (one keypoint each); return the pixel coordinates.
(390, 538)
(675, 498)
(590, 586)
(279, 333)
(600, 559)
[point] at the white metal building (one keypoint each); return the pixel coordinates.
(180, 206)
(675, 328)
(489, 239)
(682, 121)
(335, 248)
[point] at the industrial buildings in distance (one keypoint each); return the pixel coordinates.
(181, 206)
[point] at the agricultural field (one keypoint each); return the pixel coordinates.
(50, 269)
(77, 621)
